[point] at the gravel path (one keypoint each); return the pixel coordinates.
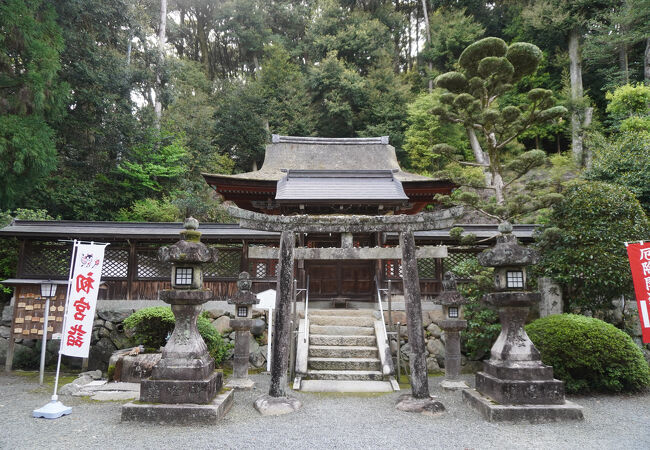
(325, 421)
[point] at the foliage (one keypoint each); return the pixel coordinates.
(149, 168)
(32, 97)
(589, 354)
(629, 103)
(623, 159)
(482, 323)
(425, 135)
(451, 31)
(239, 126)
(150, 210)
(582, 243)
(152, 326)
(488, 69)
(338, 92)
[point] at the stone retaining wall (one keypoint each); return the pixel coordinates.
(108, 336)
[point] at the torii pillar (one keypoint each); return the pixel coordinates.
(277, 401)
(419, 400)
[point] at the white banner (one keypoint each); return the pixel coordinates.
(82, 299)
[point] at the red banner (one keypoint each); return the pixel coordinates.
(639, 255)
(82, 299)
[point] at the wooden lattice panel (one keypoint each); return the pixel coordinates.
(228, 264)
(263, 268)
(116, 263)
(29, 314)
(454, 258)
(427, 268)
(46, 260)
(149, 266)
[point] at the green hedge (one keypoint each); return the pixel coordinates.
(589, 354)
(152, 326)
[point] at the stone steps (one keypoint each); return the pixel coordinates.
(341, 330)
(346, 363)
(342, 312)
(343, 355)
(342, 351)
(374, 375)
(342, 340)
(351, 321)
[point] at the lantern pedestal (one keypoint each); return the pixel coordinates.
(452, 329)
(515, 385)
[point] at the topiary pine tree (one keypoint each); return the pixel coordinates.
(488, 69)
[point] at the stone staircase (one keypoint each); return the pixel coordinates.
(343, 354)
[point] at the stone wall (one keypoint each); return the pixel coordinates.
(108, 336)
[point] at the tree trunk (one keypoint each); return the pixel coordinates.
(480, 156)
(646, 62)
(622, 63)
(497, 184)
(575, 73)
(161, 57)
(428, 40)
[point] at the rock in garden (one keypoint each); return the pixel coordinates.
(434, 330)
(222, 325)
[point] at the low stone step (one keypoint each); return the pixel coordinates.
(342, 312)
(345, 386)
(350, 321)
(344, 364)
(329, 339)
(342, 351)
(341, 330)
(345, 375)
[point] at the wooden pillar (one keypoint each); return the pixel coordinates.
(283, 316)
(9, 360)
(417, 359)
(131, 271)
(243, 264)
(302, 274)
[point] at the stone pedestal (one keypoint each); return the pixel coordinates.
(452, 329)
(514, 384)
(240, 378)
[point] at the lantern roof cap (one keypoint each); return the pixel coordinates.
(244, 295)
(508, 251)
(450, 295)
(190, 249)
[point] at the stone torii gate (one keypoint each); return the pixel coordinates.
(277, 401)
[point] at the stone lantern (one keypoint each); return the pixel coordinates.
(243, 300)
(183, 385)
(514, 384)
(452, 324)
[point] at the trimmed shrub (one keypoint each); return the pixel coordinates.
(152, 326)
(483, 325)
(589, 354)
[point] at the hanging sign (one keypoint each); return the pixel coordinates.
(83, 289)
(639, 255)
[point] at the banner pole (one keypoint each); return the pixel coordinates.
(55, 409)
(63, 324)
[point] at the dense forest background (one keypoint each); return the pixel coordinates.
(111, 109)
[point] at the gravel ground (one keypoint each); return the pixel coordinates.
(325, 421)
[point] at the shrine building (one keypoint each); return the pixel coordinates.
(314, 179)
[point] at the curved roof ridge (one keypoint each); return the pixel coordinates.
(278, 139)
